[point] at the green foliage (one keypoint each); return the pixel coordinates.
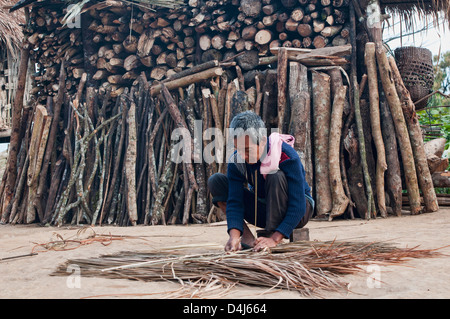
(439, 117)
(434, 115)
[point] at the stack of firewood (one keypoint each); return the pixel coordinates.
(97, 143)
(125, 40)
(49, 42)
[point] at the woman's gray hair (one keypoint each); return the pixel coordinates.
(248, 123)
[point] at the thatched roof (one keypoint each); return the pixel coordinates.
(11, 34)
(422, 9)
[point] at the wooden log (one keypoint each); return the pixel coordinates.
(296, 54)
(436, 164)
(305, 30)
(179, 122)
(321, 123)
(248, 33)
(393, 181)
(291, 25)
(159, 72)
(205, 42)
(331, 31)
(320, 42)
(248, 60)
(300, 117)
(435, 147)
(251, 8)
(218, 41)
(355, 173)
(187, 80)
(415, 135)
(263, 36)
(401, 130)
(370, 62)
(340, 200)
(36, 151)
(441, 179)
(282, 88)
(10, 175)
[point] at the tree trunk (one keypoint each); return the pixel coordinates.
(340, 200)
(130, 164)
(282, 87)
(393, 178)
(16, 134)
(321, 115)
(376, 126)
(300, 122)
(415, 134)
(401, 130)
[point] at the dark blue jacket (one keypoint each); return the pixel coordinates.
(241, 174)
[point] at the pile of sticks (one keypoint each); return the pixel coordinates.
(95, 143)
(49, 43)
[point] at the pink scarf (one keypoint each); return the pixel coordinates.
(269, 165)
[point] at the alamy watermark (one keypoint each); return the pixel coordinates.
(74, 279)
(374, 276)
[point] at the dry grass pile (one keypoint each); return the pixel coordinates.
(306, 267)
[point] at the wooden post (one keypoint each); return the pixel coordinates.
(130, 164)
(340, 200)
(38, 144)
(401, 130)
(358, 118)
(282, 87)
(375, 124)
(16, 138)
(300, 118)
(415, 134)
(393, 175)
(321, 115)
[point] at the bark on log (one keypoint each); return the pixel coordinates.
(130, 164)
(374, 98)
(340, 200)
(321, 115)
(300, 119)
(16, 134)
(36, 152)
(435, 147)
(393, 181)
(355, 173)
(441, 179)
(187, 80)
(179, 122)
(401, 130)
(415, 135)
(282, 87)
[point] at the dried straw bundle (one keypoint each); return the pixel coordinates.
(306, 267)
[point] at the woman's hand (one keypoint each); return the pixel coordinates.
(234, 242)
(262, 243)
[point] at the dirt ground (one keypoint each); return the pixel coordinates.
(29, 277)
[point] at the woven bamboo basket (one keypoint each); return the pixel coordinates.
(416, 68)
